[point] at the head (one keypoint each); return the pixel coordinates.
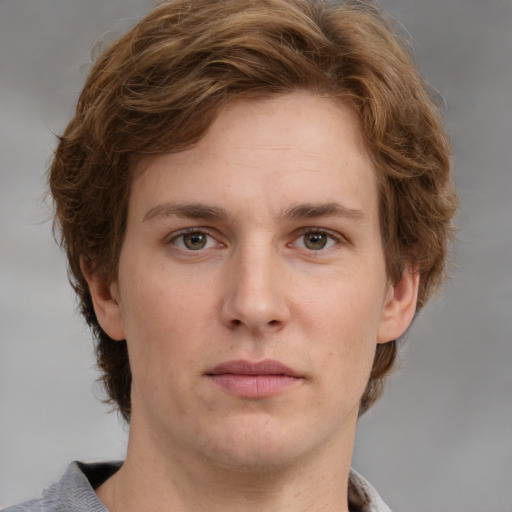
(160, 87)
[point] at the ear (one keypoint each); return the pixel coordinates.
(105, 299)
(399, 306)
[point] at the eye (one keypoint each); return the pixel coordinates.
(194, 241)
(315, 241)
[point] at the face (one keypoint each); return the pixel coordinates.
(252, 288)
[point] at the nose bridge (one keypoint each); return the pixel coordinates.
(255, 296)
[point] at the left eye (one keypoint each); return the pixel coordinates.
(194, 241)
(315, 241)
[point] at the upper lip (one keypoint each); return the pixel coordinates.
(243, 367)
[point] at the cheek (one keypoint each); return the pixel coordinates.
(346, 325)
(163, 324)
(348, 307)
(159, 299)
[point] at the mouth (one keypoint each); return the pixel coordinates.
(250, 379)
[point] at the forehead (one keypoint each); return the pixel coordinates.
(267, 153)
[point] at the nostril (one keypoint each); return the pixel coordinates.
(236, 322)
(273, 322)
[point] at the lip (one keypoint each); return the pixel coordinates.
(254, 379)
(243, 367)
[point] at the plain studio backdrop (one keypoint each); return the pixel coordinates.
(441, 437)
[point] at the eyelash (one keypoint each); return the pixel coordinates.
(191, 231)
(334, 237)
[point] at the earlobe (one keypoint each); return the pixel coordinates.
(400, 306)
(105, 299)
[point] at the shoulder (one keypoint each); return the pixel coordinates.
(27, 506)
(74, 492)
(362, 496)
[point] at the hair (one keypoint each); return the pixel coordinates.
(159, 87)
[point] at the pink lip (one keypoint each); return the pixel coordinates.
(254, 379)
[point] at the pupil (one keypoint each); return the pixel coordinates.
(195, 241)
(316, 241)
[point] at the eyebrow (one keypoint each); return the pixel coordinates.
(201, 211)
(311, 211)
(186, 210)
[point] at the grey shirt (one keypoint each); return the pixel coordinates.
(74, 492)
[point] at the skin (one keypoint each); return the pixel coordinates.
(283, 195)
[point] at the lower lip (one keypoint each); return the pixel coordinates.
(254, 386)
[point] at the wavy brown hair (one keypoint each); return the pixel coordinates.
(159, 87)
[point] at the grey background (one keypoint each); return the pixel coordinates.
(440, 439)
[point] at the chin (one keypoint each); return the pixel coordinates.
(254, 458)
(254, 446)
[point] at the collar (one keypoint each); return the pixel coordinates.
(75, 490)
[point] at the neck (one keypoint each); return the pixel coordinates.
(156, 477)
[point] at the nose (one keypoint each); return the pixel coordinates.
(255, 295)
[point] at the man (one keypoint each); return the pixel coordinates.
(255, 200)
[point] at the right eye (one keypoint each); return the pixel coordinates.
(194, 241)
